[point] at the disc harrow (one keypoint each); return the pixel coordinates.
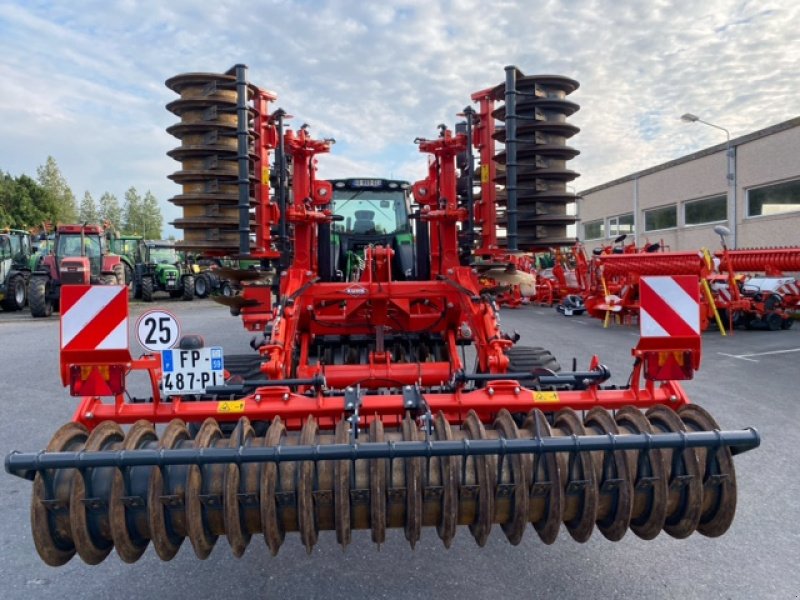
(137, 487)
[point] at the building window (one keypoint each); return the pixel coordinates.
(707, 210)
(620, 224)
(665, 217)
(593, 230)
(774, 199)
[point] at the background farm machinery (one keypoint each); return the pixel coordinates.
(15, 268)
(739, 288)
(380, 397)
(79, 254)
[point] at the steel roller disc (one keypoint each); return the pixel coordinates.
(52, 535)
(93, 541)
(520, 465)
(616, 483)
(650, 476)
(307, 523)
(486, 477)
(719, 495)
(235, 529)
(274, 532)
(413, 476)
(580, 480)
(129, 527)
(199, 480)
(686, 478)
(448, 465)
(547, 488)
(168, 525)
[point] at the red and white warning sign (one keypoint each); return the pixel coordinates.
(669, 306)
(94, 317)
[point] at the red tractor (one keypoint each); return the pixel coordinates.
(80, 255)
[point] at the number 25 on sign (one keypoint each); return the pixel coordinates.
(158, 330)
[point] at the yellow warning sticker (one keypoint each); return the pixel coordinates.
(230, 406)
(265, 175)
(484, 173)
(545, 396)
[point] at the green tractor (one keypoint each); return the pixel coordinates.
(15, 268)
(369, 212)
(158, 268)
(126, 246)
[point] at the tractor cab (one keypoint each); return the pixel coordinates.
(79, 253)
(370, 212)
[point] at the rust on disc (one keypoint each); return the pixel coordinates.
(168, 526)
(649, 474)
(448, 465)
(719, 484)
(685, 503)
(93, 543)
(520, 466)
(199, 532)
(413, 474)
(486, 478)
(50, 526)
(580, 480)
(616, 487)
(130, 546)
(546, 489)
(271, 523)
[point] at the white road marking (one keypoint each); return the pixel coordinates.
(747, 357)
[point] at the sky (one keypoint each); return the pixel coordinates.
(84, 81)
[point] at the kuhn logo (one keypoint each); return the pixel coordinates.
(356, 290)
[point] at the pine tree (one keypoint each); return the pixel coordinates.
(134, 222)
(110, 210)
(152, 216)
(60, 200)
(89, 213)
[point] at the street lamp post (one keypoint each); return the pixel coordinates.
(731, 172)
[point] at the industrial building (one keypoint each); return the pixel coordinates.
(750, 184)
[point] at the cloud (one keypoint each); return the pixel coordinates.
(86, 84)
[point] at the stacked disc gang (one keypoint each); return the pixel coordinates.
(212, 159)
(533, 167)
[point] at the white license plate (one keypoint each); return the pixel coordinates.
(191, 371)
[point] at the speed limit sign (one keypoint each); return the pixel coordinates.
(158, 330)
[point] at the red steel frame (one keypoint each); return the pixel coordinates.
(448, 305)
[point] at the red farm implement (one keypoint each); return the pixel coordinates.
(379, 397)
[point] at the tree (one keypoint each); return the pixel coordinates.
(152, 218)
(110, 210)
(133, 214)
(89, 213)
(59, 200)
(24, 203)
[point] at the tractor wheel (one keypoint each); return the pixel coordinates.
(188, 287)
(15, 298)
(128, 274)
(147, 289)
(523, 358)
(774, 321)
(787, 323)
(227, 289)
(201, 285)
(108, 279)
(38, 292)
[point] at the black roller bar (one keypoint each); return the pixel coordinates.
(25, 465)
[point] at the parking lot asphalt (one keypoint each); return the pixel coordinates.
(749, 379)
